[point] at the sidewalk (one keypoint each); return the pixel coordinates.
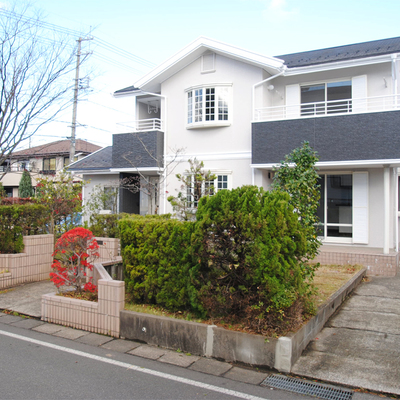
(360, 345)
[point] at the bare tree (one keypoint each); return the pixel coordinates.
(149, 185)
(35, 65)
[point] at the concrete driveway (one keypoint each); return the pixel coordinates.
(27, 298)
(360, 345)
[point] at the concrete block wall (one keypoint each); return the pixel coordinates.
(102, 316)
(376, 264)
(33, 265)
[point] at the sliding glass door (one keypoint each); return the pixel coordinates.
(335, 209)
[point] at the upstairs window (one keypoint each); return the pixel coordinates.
(207, 106)
(326, 98)
(49, 164)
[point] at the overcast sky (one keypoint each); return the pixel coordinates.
(154, 30)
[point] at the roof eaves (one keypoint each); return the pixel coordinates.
(193, 51)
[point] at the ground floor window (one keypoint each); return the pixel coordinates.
(335, 210)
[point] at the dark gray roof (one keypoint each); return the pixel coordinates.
(342, 53)
(101, 159)
(126, 90)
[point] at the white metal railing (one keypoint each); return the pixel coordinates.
(153, 124)
(17, 168)
(323, 108)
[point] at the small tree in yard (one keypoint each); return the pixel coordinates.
(25, 185)
(298, 176)
(63, 196)
(75, 252)
(195, 183)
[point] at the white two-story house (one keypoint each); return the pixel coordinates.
(240, 113)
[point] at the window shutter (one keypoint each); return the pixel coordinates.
(359, 93)
(360, 207)
(293, 101)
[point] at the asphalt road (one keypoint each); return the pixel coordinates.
(39, 366)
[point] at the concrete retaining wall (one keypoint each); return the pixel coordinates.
(199, 339)
(33, 265)
(102, 316)
(231, 346)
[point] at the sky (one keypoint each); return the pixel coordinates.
(155, 30)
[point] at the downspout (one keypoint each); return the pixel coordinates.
(395, 79)
(254, 103)
(164, 128)
(264, 81)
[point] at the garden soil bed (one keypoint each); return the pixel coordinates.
(328, 279)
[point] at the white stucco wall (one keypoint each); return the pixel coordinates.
(226, 148)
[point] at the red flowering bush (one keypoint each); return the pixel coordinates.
(74, 255)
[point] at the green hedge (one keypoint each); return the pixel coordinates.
(106, 225)
(157, 260)
(240, 260)
(21, 220)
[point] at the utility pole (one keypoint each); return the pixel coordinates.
(75, 104)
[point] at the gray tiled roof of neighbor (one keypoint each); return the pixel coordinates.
(126, 90)
(59, 147)
(342, 53)
(101, 159)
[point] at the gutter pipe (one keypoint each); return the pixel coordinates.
(263, 81)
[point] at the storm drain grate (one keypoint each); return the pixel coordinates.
(308, 388)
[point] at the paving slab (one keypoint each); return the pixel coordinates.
(27, 298)
(48, 328)
(368, 321)
(179, 359)
(246, 375)
(69, 333)
(94, 339)
(211, 366)
(360, 345)
(28, 323)
(379, 304)
(9, 319)
(121, 345)
(153, 353)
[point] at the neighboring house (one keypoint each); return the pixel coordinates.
(41, 161)
(242, 112)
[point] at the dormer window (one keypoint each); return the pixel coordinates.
(208, 106)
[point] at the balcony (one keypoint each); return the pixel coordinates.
(328, 108)
(152, 124)
(336, 136)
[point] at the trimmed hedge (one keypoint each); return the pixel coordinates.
(20, 220)
(240, 261)
(106, 225)
(156, 254)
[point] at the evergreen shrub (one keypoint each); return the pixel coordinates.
(106, 225)
(249, 244)
(20, 220)
(156, 254)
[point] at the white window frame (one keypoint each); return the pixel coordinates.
(198, 107)
(215, 183)
(324, 104)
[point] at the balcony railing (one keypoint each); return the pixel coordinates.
(17, 168)
(153, 124)
(324, 108)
